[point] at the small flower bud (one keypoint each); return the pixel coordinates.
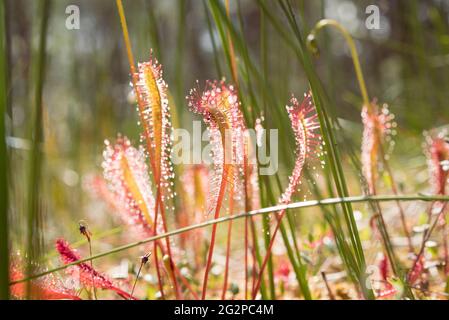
(234, 288)
(145, 258)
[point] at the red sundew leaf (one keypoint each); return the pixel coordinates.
(377, 125)
(44, 288)
(388, 290)
(304, 121)
(126, 174)
(220, 108)
(154, 113)
(87, 275)
(155, 118)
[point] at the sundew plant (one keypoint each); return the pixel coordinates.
(224, 149)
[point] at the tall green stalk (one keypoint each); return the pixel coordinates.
(35, 161)
(4, 239)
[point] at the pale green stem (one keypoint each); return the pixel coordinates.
(296, 205)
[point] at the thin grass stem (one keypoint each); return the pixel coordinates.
(4, 231)
(253, 213)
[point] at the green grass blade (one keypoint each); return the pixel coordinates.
(35, 161)
(4, 239)
(266, 237)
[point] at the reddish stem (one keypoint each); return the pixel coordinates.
(253, 231)
(214, 230)
(228, 243)
(228, 253)
(427, 234)
(395, 192)
(160, 205)
(247, 207)
(268, 253)
(156, 259)
(146, 130)
(246, 258)
(178, 273)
